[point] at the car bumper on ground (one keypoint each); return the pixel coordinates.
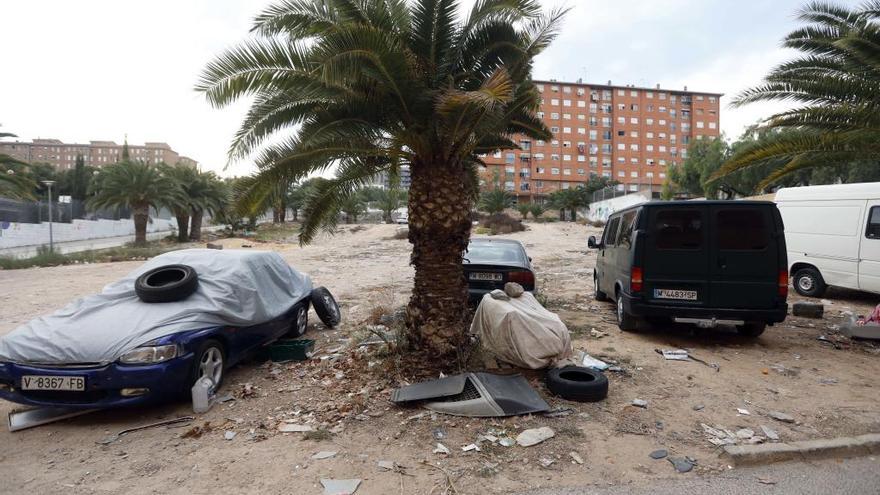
(106, 386)
(636, 306)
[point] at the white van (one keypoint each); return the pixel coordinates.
(833, 236)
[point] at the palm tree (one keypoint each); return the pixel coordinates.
(495, 201)
(569, 200)
(524, 209)
(185, 178)
(134, 185)
(209, 195)
(537, 210)
(836, 83)
(353, 206)
(376, 84)
(388, 201)
(15, 183)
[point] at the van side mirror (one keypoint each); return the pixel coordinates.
(591, 242)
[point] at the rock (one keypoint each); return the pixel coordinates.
(229, 435)
(770, 433)
(698, 407)
(534, 436)
(576, 457)
(745, 433)
(744, 412)
(507, 442)
(324, 454)
(807, 309)
(513, 289)
(293, 428)
(779, 416)
(468, 448)
(545, 462)
(681, 464)
(340, 487)
(640, 403)
(386, 465)
(441, 449)
(658, 454)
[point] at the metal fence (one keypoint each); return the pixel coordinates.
(63, 211)
(622, 190)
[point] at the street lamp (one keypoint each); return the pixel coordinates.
(48, 184)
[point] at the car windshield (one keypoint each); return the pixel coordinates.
(482, 252)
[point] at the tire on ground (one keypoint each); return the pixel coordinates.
(167, 283)
(326, 307)
(578, 384)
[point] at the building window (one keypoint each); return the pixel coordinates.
(566, 116)
(699, 124)
(649, 95)
(554, 101)
(554, 116)
(621, 173)
(566, 89)
(554, 171)
(621, 147)
(566, 130)
(540, 88)
(634, 174)
(554, 130)
(509, 158)
(582, 158)
(712, 125)
(566, 158)
(566, 171)
(554, 157)
(582, 104)
(566, 103)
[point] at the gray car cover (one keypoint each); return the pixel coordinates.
(236, 287)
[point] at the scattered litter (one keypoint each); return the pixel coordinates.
(659, 454)
(496, 395)
(439, 433)
(324, 454)
(681, 464)
(765, 481)
(597, 334)
(499, 295)
(29, 418)
(770, 433)
(294, 428)
(744, 412)
(470, 447)
(441, 449)
(779, 416)
(534, 436)
(745, 433)
(175, 421)
(229, 435)
(545, 462)
(828, 381)
(226, 398)
(387, 465)
(640, 403)
(507, 442)
(340, 487)
(675, 355)
(559, 413)
(591, 362)
(576, 457)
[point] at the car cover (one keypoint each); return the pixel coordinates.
(521, 332)
(236, 288)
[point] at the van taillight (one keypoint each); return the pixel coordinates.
(522, 278)
(635, 279)
(783, 283)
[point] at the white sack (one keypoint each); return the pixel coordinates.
(521, 332)
(236, 288)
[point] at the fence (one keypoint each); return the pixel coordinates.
(611, 192)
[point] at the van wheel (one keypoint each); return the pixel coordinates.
(625, 321)
(599, 296)
(808, 282)
(751, 329)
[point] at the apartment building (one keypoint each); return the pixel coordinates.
(631, 134)
(97, 153)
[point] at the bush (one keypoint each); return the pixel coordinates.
(501, 223)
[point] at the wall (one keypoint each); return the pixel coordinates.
(18, 235)
(600, 210)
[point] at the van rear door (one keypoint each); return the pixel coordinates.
(744, 260)
(675, 255)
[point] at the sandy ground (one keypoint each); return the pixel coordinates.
(828, 387)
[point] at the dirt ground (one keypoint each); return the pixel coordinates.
(826, 385)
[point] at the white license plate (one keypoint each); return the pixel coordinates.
(491, 277)
(39, 382)
(682, 295)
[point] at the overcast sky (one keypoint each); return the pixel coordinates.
(98, 69)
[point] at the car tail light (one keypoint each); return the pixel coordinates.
(783, 283)
(522, 278)
(635, 279)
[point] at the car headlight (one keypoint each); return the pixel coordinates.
(149, 354)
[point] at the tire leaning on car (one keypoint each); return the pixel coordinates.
(167, 283)
(326, 307)
(578, 384)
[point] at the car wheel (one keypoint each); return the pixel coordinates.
(326, 307)
(167, 283)
(300, 323)
(751, 329)
(625, 321)
(808, 282)
(210, 362)
(578, 384)
(599, 295)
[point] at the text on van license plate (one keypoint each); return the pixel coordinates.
(685, 295)
(492, 277)
(38, 382)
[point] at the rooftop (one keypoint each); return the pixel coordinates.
(628, 86)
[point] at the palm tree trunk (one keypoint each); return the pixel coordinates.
(182, 225)
(195, 230)
(141, 216)
(439, 230)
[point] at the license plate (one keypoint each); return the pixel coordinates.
(68, 383)
(682, 295)
(491, 277)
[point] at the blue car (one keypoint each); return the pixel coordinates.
(152, 352)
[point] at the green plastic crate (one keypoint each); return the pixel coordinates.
(291, 350)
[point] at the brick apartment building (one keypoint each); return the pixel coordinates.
(627, 133)
(97, 153)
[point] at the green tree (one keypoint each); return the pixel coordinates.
(569, 200)
(353, 206)
(495, 200)
(524, 209)
(695, 175)
(388, 201)
(137, 186)
(208, 194)
(376, 84)
(185, 178)
(537, 210)
(15, 181)
(836, 82)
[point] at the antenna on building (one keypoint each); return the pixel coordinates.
(609, 82)
(685, 87)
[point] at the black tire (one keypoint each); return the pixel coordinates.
(751, 329)
(600, 296)
(808, 282)
(326, 307)
(209, 346)
(578, 384)
(167, 283)
(300, 322)
(625, 321)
